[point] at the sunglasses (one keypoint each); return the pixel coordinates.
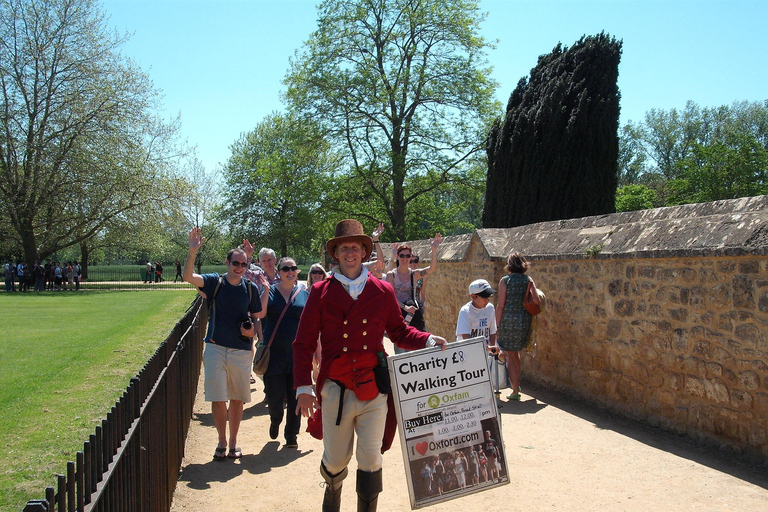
(317, 272)
(403, 255)
(289, 269)
(238, 264)
(414, 261)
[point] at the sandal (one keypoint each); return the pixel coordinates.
(516, 396)
(235, 453)
(220, 453)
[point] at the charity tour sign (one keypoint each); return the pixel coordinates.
(448, 420)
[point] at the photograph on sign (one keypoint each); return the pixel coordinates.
(448, 420)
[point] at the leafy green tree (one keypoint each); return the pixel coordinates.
(198, 206)
(698, 154)
(670, 136)
(275, 183)
(632, 157)
(79, 146)
(735, 167)
(402, 90)
(554, 155)
(630, 198)
(450, 209)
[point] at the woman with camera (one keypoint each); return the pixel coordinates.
(404, 278)
(286, 302)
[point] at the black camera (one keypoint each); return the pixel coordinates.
(246, 324)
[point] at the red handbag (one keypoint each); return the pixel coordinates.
(531, 300)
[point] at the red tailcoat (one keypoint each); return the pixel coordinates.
(347, 326)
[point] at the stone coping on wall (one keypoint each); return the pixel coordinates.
(453, 248)
(733, 227)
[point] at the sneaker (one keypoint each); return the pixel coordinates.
(273, 430)
(291, 443)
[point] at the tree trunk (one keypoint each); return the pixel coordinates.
(84, 260)
(398, 193)
(28, 242)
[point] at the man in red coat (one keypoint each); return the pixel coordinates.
(350, 313)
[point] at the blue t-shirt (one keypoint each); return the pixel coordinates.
(231, 309)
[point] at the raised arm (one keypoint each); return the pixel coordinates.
(195, 242)
(435, 243)
(264, 297)
(248, 248)
(375, 237)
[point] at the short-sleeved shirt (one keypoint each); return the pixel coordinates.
(491, 448)
(232, 308)
(476, 322)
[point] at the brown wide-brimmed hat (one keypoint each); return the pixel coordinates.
(350, 230)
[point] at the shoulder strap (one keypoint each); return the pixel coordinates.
(212, 304)
(212, 300)
(413, 290)
(287, 305)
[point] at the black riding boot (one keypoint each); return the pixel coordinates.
(368, 488)
(332, 497)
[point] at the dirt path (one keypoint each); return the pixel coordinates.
(563, 455)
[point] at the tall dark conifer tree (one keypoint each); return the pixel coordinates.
(554, 156)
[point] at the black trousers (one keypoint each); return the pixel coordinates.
(279, 389)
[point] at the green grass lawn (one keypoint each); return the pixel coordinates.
(64, 361)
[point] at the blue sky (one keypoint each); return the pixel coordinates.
(219, 63)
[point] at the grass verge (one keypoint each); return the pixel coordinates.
(66, 359)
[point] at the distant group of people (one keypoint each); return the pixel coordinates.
(324, 340)
(154, 273)
(51, 276)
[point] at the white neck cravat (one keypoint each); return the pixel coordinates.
(353, 286)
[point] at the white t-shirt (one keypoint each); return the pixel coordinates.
(476, 322)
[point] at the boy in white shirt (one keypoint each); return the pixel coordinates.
(478, 316)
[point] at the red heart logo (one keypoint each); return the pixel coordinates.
(421, 447)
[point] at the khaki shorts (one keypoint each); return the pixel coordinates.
(227, 374)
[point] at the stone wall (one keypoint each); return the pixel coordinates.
(660, 316)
